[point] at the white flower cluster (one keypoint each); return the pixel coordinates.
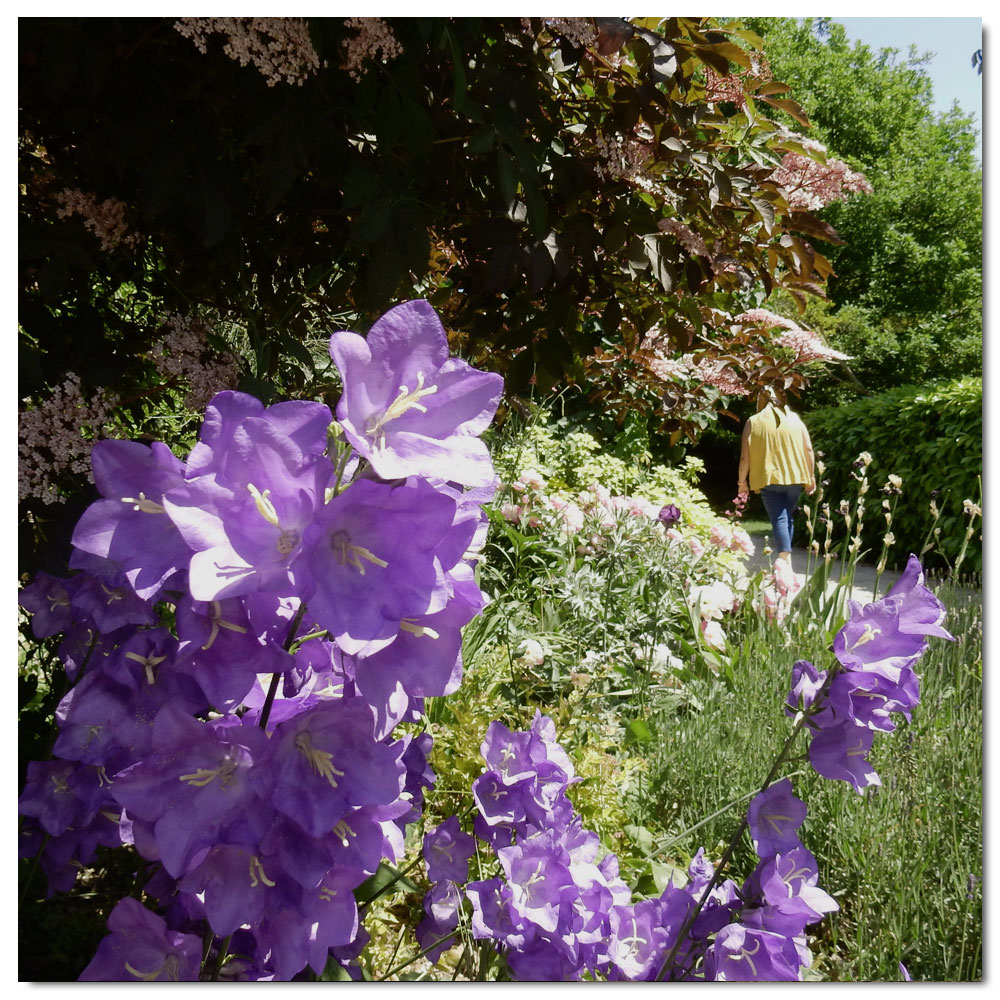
(184, 354)
(278, 47)
(374, 36)
(105, 219)
(809, 184)
(51, 439)
(806, 344)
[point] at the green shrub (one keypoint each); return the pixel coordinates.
(932, 437)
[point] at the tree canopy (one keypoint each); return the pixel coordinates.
(908, 281)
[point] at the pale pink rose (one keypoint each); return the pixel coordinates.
(713, 635)
(712, 600)
(697, 549)
(742, 542)
(719, 536)
(532, 652)
(530, 478)
(511, 512)
(674, 535)
(572, 518)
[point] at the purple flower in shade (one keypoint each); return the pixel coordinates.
(745, 955)
(88, 717)
(537, 876)
(130, 526)
(110, 603)
(637, 940)
(407, 407)
(545, 960)
(774, 816)
(324, 761)
(447, 851)
(788, 883)
(669, 515)
(48, 599)
(442, 904)
(220, 650)
(368, 560)
(839, 752)
(807, 682)
(235, 885)
(194, 787)
(62, 793)
(141, 948)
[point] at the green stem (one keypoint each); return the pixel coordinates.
(221, 958)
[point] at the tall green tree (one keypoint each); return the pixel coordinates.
(907, 293)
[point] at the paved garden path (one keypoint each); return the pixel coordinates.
(864, 574)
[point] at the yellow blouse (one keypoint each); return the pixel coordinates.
(777, 449)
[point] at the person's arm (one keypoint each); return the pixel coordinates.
(742, 486)
(810, 460)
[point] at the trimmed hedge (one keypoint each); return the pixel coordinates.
(930, 435)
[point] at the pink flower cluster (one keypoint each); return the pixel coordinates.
(52, 442)
(374, 38)
(278, 47)
(107, 219)
(731, 537)
(595, 505)
(810, 185)
(184, 354)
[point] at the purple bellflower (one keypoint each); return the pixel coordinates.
(409, 408)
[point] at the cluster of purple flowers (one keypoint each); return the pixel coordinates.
(877, 650)
(245, 631)
(557, 913)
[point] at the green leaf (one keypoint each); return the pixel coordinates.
(637, 732)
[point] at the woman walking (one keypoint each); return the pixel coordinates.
(777, 461)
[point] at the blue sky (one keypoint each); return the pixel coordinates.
(951, 39)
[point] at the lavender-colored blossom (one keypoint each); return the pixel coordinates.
(742, 954)
(447, 850)
(840, 752)
(774, 816)
(637, 940)
(537, 877)
(368, 559)
(807, 682)
(872, 640)
(918, 610)
(407, 407)
(141, 948)
(869, 699)
(324, 761)
(789, 883)
(220, 650)
(499, 803)
(492, 916)
(194, 786)
(109, 602)
(129, 526)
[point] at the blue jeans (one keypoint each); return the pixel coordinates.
(780, 503)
